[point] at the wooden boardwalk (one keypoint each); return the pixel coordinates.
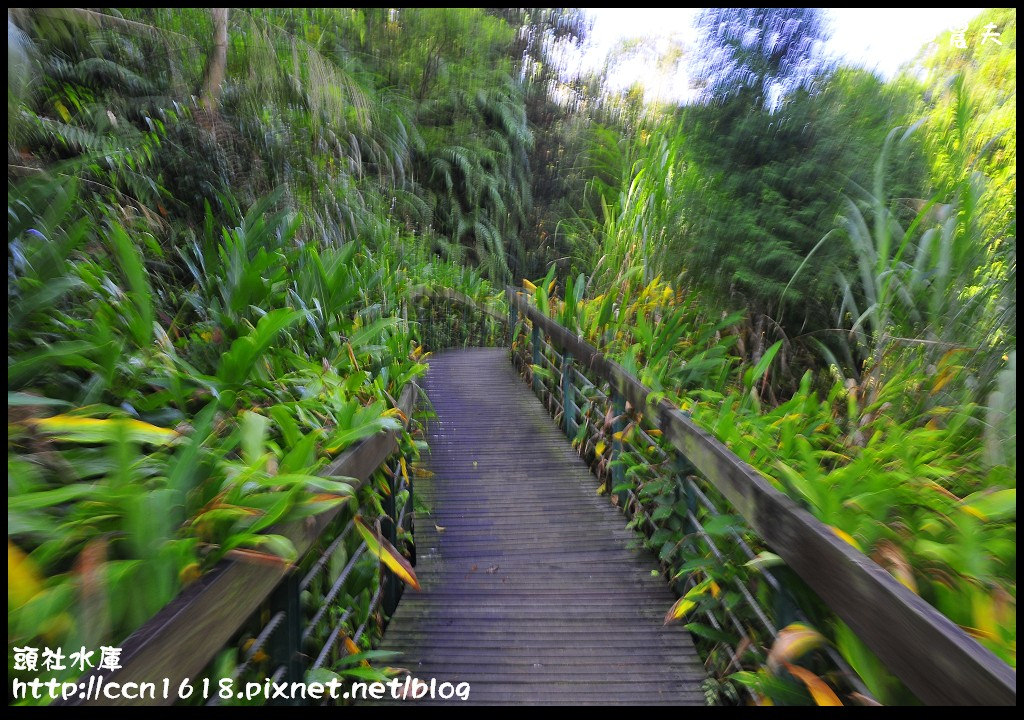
(532, 591)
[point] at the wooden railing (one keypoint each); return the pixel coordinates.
(936, 660)
(931, 655)
(447, 319)
(264, 601)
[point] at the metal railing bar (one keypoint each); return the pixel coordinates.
(325, 603)
(325, 556)
(331, 640)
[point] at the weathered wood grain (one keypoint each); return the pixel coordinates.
(532, 589)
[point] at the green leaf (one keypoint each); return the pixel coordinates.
(253, 428)
(49, 498)
(237, 363)
(758, 371)
(764, 560)
(988, 505)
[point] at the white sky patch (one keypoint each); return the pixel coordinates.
(876, 39)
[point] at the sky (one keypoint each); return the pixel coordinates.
(878, 39)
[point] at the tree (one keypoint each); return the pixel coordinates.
(763, 53)
(776, 148)
(217, 62)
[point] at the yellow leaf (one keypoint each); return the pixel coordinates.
(679, 610)
(943, 378)
(350, 646)
(819, 689)
(387, 554)
(73, 428)
(599, 448)
(258, 656)
(978, 633)
(353, 649)
(23, 579)
(845, 536)
(983, 610)
(189, 574)
(792, 642)
(688, 602)
(394, 412)
(352, 356)
(970, 510)
(529, 285)
(63, 111)
(932, 485)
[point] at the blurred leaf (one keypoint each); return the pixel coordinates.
(382, 549)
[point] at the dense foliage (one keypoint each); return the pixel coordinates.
(215, 219)
(870, 370)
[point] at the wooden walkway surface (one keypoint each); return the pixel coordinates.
(531, 591)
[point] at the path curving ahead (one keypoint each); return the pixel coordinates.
(533, 589)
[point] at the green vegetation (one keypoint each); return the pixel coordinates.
(216, 219)
(869, 371)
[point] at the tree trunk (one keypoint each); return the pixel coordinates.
(217, 62)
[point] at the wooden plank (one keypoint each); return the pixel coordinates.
(182, 638)
(934, 657)
(530, 592)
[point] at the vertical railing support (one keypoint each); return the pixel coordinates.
(568, 397)
(618, 474)
(389, 529)
(683, 491)
(464, 329)
(535, 339)
(420, 328)
(513, 318)
(410, 519)
(286, 641)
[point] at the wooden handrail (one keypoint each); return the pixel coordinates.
(934, 657)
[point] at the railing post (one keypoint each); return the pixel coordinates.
(568, 397)
(410, 519)
(389, 529)
(535, 338)
(682, 468)
(286, 642)
(513, 323)
(513, 318)
(618, 474)
(465, 327)
(420, 328)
